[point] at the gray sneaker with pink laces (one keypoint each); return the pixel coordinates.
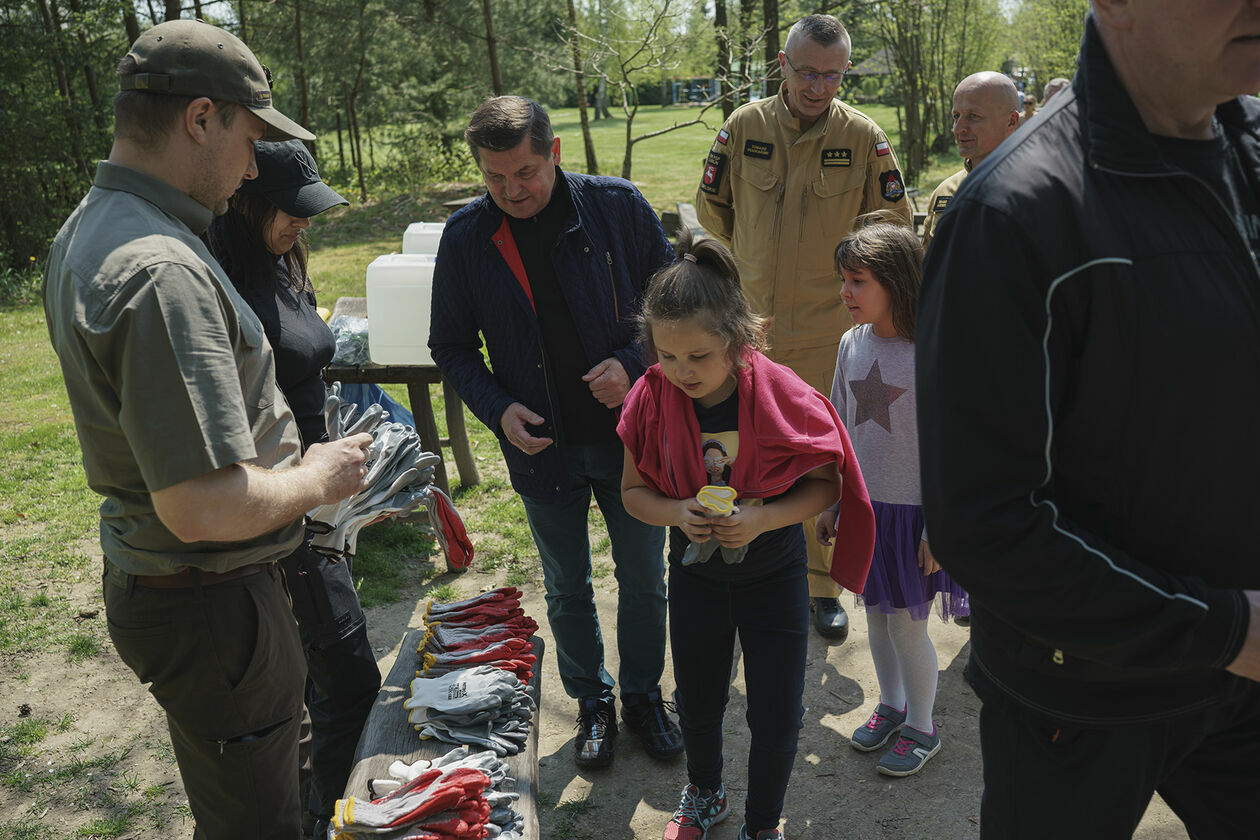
(879, 727)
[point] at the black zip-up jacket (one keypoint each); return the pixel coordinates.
(611, 246)
(1089, 411)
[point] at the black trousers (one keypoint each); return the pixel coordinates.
(226, 665)
(342, 677)
(770, 615)
(1046, 778)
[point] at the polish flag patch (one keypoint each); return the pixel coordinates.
(723, 136)
(881, 148)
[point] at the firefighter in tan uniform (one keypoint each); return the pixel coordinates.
(986, 112)
(785, 179)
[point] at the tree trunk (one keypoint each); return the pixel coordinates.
(241, 14)
(89, 72)
(341, 152)
(172, 10)
(496, 81)
(153, 16)
(356, 145)
(197, 15)
(53, 28)
(722, 31)
(592, 166)
(628, 96)
(773, 77)
(747, 44)
(304, 102)
(131, 24)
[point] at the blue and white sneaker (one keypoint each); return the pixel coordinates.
(910, 753)
(879, 727)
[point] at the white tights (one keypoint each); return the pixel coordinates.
(905, 665)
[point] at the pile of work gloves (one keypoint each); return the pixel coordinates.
(461, 796)
(475, 658)
(399, 478)
(489, 629)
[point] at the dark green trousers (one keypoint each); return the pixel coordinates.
(226, 664)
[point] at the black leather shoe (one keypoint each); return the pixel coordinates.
(597, 732)
(648, 716)
(831, 619)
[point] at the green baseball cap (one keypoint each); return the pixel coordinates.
(193, 58)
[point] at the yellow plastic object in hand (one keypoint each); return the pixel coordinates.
(719, 499)
(323, 312)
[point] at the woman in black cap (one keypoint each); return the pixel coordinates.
(261, 245)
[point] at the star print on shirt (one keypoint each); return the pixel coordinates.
(874, 398)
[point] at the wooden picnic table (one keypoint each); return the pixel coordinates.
(388, 736)
(417, 378)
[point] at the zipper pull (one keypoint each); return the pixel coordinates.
(221, 745)
(1057, 658)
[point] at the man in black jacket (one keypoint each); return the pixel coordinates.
(548, 267)
(1089, 398)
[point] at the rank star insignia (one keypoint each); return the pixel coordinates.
(837, 157)
(873, 398)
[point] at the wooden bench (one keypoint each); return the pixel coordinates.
(683, 216)
(388, 736)
(417, 378)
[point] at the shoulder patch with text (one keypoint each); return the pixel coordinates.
(837, 157)
(714, 167)
(890, 186)
(942, 201)
(758, 149)
(882, 148)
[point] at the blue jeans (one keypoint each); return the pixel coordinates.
(564, 546)
(771, 616)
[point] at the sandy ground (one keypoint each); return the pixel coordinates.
(835, 791)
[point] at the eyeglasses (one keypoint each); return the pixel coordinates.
(811, 76)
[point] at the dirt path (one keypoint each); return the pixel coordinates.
(835, 790)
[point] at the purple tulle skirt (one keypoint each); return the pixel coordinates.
(895, 581)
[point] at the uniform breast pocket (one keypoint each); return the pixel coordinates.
(756, 192)
(257, 370)
(832, 201)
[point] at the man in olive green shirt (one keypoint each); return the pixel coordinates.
(184, 431)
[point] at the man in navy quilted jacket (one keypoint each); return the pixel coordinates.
(547, 268)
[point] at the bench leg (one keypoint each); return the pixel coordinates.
(458, 433)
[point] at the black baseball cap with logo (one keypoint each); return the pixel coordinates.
(288, 178)
(193, 58)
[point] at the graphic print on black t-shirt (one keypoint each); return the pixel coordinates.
(719, 450)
